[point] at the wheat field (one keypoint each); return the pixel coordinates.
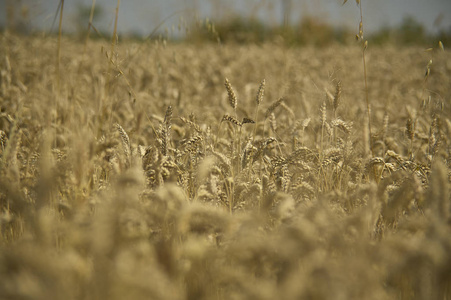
(166, 170)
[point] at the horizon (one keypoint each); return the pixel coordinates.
(140, 17)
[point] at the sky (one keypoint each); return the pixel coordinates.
(143, 16)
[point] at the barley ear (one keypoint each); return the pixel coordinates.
(125, 141)
(232, 97)
(323, 111)
(247, 121)
(261, 92)
(273, 106)
(232, 120)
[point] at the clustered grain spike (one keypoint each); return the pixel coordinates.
(231, 94)
(273, 106)
(261, 92)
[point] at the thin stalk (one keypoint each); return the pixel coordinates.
(113, 44)
(368, 109)
(58, 59)
(91, 17)
(239, 150)
(335, 128)
(254, 132)
(217, 136)
(58, 51)
(256, 123)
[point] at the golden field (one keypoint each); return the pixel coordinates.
(133, 172)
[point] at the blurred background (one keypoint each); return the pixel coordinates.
(298, 21)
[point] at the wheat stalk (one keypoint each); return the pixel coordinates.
(273, 106)
(125, 142)
(166, 131)
(232, 120)
(364, 47)
(91, 17)
(114, 40)
(231, 95)
(258, 101)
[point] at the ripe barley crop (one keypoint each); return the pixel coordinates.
(177, 190)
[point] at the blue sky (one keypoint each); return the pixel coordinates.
(142, 16)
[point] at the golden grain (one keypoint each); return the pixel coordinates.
(242, 212)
